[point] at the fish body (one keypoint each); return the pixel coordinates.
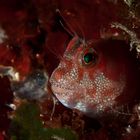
(94, 77)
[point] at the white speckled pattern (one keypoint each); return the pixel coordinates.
(83, 93)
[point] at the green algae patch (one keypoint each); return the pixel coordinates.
(27, 125)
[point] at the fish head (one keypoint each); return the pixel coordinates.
(92, 77)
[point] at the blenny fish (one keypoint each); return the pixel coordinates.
(96, 76)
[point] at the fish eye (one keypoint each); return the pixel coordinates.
(89, 58)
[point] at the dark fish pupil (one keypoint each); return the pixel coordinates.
(88, 57)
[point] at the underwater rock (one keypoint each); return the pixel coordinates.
(6, 97)
(34, 87)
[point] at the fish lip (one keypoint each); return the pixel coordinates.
(63, 90)
(60, 95)
(60, 92)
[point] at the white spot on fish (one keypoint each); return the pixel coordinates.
(103, 88)
(86, 82)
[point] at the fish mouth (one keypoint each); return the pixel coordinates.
(68, 100)
(65, 96)
(60, 90)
